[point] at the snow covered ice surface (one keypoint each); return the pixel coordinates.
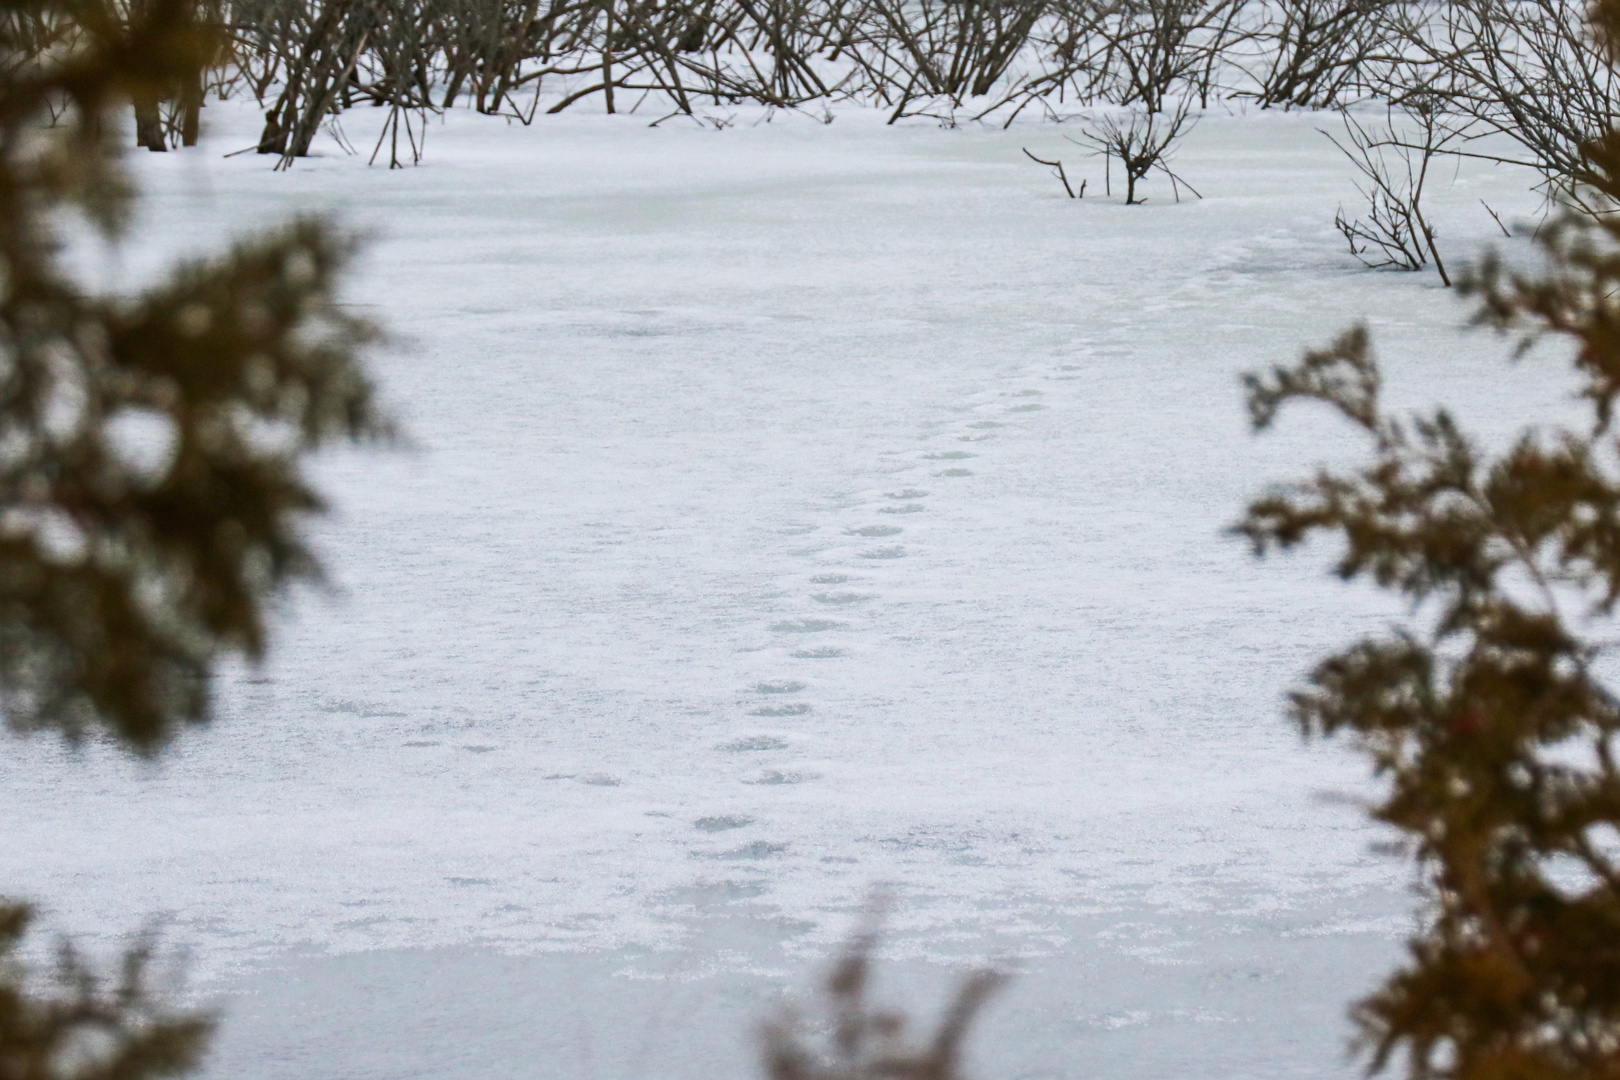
(792, 508)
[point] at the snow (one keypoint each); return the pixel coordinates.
(790, 509)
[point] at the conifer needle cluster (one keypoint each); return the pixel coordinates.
(1490, 710)
(151, 483)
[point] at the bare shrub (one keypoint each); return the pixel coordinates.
(1156, 48)
(484, 48)
(866, 1042)
(1143, 143)
(1526, 69)
(1070, 59)
(951, 49)
(314, 54)
(1316, 53)
(1515, 65)
(1394, 159)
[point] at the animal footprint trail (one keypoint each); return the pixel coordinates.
(795, 708)
(722, 823)
(842, 599)
(806, 626)
(895, 552)
(768, 699)
(753, 745)
(865, 540)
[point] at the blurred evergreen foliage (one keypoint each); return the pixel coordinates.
(1487, 710)
(151, 481)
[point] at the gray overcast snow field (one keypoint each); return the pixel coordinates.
(792, 509)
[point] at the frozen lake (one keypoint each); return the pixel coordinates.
(793, 508)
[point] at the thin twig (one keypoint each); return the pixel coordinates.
(1497, 218)
(1061, 175)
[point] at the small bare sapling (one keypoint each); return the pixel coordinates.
(1143, 143)
(1394, 159)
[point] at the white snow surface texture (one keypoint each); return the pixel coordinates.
(792, 509)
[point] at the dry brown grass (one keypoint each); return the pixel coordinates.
(861, 1040)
